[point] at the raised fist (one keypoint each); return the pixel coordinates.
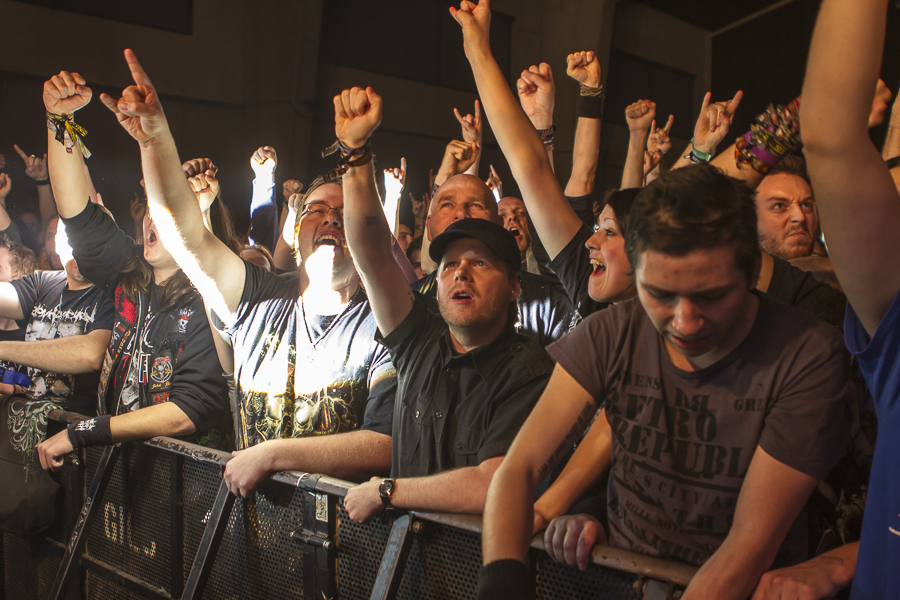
(205, 187)
(357, 114)
(290, 187)
(195, 166)
(138, 110)
(640, 115)
(537, 95)
(65, 93)
(264, 161)
(35, 167)
(584, 68)
(459, 156)
(475, 20)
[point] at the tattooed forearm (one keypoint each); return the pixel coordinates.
(577, 429)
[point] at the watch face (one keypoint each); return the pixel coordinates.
(386, 488)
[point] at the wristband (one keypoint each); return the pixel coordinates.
(547, 136)
(697, 156)
(91, 432)
(590, 107)
(350, 157)
(68, 132)
(505, 578)
(41, 182)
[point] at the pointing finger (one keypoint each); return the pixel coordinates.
(137, 71)
(22, 154)
(732, 106)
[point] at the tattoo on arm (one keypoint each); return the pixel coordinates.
(574, 434)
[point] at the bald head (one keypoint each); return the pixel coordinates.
(461, 197)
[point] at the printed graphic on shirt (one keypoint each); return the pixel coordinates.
(47, 323)
(161, 372)
(27, 420)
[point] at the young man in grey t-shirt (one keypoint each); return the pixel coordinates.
(724, 406)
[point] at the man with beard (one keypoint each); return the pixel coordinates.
(786, 211)
(306, 362)
(467, 380)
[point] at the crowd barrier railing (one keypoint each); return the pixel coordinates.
(155, 520)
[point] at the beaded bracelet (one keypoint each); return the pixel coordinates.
(68, 132)
(775, 134)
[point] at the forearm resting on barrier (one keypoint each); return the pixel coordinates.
(354, 455)
(160, 419)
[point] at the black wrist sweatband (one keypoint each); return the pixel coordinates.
(505, 579)
(590, 107)
(91, 432)
(41, 182)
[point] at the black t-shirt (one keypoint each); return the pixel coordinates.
(573, 267)
(156, 353)
(545, 312)
(53, 311)
(799, 288)
(301, 376)
(457, 410)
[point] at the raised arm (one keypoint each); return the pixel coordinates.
(357, 113)
(5, 187)
(537, 95)
(214, 270)
(394, 180)
(36, 168)
(284, 247)
(584, 67)
(857, 200)
(458, 157)
(472, 132)
(263, 213)
(554, 219)
(65, 94)
(640, 116)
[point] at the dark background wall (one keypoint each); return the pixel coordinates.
(239, 74)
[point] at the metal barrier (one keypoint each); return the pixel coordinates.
(154, 520)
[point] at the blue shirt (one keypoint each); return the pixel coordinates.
(877, 572)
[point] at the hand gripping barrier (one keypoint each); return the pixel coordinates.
(155, 520)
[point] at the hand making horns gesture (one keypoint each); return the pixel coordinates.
(138, 110)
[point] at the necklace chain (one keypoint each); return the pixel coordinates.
(337, 318)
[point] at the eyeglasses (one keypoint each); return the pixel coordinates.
(319, 209)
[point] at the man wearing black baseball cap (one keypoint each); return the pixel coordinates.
(466, 379)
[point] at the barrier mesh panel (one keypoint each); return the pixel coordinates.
(133, 526)
(443, 564)
(257, 558)
(562, 582)
(360, 550)
(30, 567)
(99, 588)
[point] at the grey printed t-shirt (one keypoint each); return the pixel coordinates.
(682, 441)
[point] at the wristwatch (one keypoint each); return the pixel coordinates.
(386, 491)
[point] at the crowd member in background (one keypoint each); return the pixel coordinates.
(259, 255)
(786, 211)
(263, 210)
(50, 361)
(306, 362)
(859, 209)
(452, 423)
(160, 372)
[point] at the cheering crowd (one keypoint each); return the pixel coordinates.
(695, 367)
